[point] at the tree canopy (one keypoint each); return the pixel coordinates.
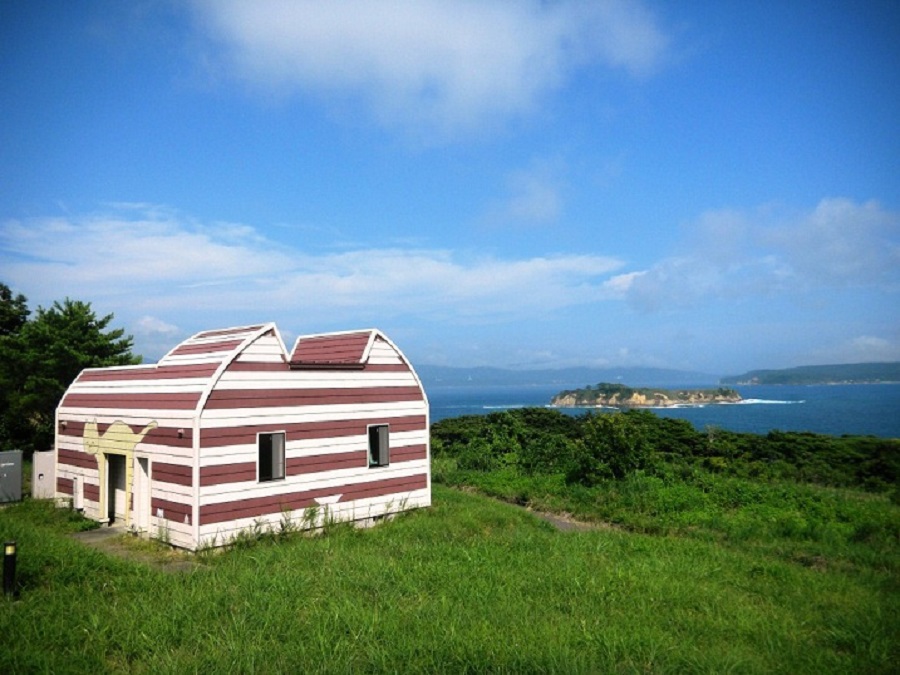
(41, 356)
(13, 311)
(605, 448)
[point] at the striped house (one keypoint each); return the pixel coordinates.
(229, 432)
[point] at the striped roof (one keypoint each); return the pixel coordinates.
(214, 346)
(186, 375)
(179, 382)
(334, 349)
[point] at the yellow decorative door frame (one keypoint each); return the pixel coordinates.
(118, 440)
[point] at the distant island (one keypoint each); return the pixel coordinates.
(606, 395)
(846, 373)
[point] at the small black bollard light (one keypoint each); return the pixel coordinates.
(9, 568)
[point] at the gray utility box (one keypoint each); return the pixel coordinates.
(43, 474)
(11, 476)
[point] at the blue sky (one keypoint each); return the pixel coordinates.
(711, 186)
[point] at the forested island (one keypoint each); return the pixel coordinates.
(844, 373)
(606, 395)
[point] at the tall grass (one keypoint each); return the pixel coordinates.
(470, 585)
(795, 521)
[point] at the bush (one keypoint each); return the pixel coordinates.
(592, 448)
(611, 446)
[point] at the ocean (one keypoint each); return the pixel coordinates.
(858, 409)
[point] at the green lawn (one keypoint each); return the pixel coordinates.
(469, 585)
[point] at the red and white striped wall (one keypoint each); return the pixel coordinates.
(211, 396)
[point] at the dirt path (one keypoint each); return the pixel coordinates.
(566, 523)
(116, 541)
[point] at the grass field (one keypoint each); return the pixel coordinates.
(469, 585)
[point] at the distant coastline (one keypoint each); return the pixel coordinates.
(606, 395)
(846, 373)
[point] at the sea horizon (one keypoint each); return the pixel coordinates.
(834, 409)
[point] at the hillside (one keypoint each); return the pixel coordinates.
(847, 373)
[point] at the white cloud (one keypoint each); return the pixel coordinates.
(621, 284)
(842, 243)
(839, 244)
(125, 248)
(153, 336)
(164, 270)
(861, 349)
(534, 195)
(431, 64)
(429, 284)
(165, 275)
(150, 325)
(873, 348)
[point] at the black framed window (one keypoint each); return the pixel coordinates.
(379, 445)
(271, 456)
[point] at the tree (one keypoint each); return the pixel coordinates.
(13, 311)
(612, 445)
(13, 315)
(40, 359)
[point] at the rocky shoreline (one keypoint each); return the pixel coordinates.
(619, 396)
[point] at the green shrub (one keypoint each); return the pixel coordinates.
(611, 446)
(594, 447)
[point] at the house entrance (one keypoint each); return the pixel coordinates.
(116, 493)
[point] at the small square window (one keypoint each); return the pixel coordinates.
(379, 445)
(271, 456)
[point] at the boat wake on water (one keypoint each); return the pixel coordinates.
(765, 401)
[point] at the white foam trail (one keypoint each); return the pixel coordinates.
(763, 401)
